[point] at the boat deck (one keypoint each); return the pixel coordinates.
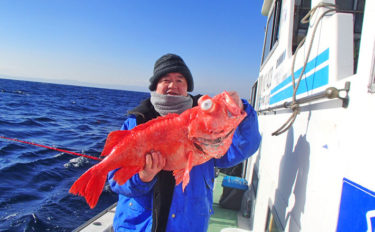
(225, 220)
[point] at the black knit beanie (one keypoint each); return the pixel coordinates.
(170, 63)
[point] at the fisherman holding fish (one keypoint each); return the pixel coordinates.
(150, 200)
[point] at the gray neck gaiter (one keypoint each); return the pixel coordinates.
(165, 104)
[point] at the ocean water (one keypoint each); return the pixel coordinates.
(34, 181)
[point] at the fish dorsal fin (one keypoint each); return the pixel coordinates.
(116, 136)
(112, 140)
(154, 121)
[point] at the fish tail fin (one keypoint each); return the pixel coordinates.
(90, 186)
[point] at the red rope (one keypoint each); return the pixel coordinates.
(52, 148)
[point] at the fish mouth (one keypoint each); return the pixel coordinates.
(205, 141)
(200, 142)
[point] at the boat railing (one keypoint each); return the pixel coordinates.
(329, 93)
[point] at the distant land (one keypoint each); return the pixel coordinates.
(88, 84)
(78, 83)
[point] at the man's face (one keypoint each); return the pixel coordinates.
(172, 84)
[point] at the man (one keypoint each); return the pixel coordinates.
(150, 201)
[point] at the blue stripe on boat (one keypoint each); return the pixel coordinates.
(315, 80)
(318, 60)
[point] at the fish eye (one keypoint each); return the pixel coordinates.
(206, 104)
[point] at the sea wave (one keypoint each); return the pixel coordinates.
(35, 181)
(77, 162)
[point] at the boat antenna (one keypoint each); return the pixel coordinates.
(51, 148)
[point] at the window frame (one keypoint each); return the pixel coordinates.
(299, 12)
(272, 30)
(253, 96)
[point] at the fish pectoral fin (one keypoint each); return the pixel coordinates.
(112, 140)
(183, 175)
(125, 173)
(178, 175)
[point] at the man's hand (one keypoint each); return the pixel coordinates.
(154, 163)
(236, 98)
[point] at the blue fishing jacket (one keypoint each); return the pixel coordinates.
(190, 210)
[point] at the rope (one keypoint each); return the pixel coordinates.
(51, 148)
(295, 106)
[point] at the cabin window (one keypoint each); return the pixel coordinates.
(358, 6)
(301, 8)
(272, 30)
(272, 222)
(255, 180)
(252, 199)
(254, 94)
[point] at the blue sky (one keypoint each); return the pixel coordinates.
(116, 42)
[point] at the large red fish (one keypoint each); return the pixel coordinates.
(191, 138)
